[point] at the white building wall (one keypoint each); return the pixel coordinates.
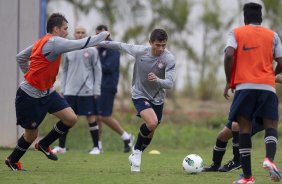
(19, 25)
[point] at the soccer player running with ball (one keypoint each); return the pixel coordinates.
(36, 95)
(154, 71)
(249, 55)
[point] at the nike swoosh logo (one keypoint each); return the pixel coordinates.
(249, 48)
(47, 153)
(245, 155)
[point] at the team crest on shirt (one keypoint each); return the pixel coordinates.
(33, 124)
(86, 54)
(160, 64)
(147, 103)
(104, 53)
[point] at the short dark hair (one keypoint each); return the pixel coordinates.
(56, 19)
(159, 35)
(252, 13)
(102, 27)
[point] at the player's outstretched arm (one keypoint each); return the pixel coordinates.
(128, 48)
(62, 45)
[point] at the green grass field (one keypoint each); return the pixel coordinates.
(174, 138)
(112, 167)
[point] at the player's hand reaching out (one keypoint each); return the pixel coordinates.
(152, 77)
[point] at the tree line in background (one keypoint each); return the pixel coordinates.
(175, 17)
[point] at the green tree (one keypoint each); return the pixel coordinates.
(174, 17)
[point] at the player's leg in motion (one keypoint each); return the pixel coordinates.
(62, 144)
(30, 114)
(23, 144)
(219, 149)
(235, 162)
(271, 140)
(68, 119)
(245, 146)
(151, 123)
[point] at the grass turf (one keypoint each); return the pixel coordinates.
(76, 166)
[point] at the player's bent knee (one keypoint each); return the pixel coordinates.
(30, 137)
(224, 136)
(152, 126)
(71, 120)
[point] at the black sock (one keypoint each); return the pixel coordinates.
(62, 139)
(19, 150)
(270, 140)
(58, 130)
(146, 143)
(218, 152)
(235, 141)
(94, 131)
(245, 146)
(143, 133)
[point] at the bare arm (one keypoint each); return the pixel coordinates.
(278, 68)
(228, 65)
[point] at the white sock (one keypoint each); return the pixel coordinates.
(125, 136)
(100, 145)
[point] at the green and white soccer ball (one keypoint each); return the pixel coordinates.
(193, 164)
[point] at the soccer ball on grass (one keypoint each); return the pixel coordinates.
(192, 164)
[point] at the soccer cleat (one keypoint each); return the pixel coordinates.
(135, 160)
(47, 151)
(14, 166)
(243, 180)
(272, 169)
(95, 151)
(211, 168)
(128, 144)
(58, 149)
(230, 166)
